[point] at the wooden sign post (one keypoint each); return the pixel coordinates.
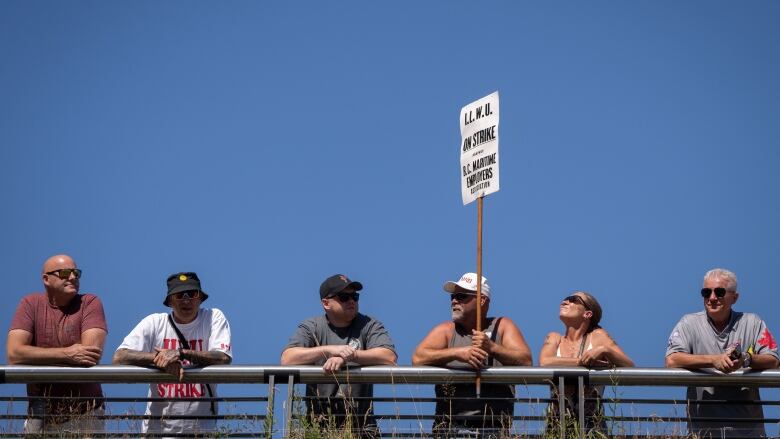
(479, 170)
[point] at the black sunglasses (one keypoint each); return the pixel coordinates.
(346, 297)
(719, 292)
(576, 299)
(65, 273)
(461, 297)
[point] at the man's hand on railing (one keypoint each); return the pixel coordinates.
(725, 364)
(83, 355)
(348, 353)
(334, 364)
(474, 356)
(339, 356)
(169, 361)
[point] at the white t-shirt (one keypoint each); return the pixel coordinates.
(210, 331)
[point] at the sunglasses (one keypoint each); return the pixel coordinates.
(346, 297)
(461, 297)
(186, 295)
(65, 273)
(576, 299)
(719, 292)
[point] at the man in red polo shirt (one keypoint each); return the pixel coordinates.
(65, 328)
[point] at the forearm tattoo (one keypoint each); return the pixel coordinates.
(205, 358)
(135, 358)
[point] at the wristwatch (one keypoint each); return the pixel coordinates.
(746, 359)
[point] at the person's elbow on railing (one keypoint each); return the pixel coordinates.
(19, 350)
(299, 355)
(433, 350)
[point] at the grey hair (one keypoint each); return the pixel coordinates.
(722, 273)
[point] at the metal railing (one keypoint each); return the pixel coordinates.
(392, 409)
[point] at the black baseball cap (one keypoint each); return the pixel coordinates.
(184, 281)
(336, 284)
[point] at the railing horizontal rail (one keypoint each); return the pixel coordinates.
(404, 413)
(390, 375)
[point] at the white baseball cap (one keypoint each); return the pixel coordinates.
(467, 282)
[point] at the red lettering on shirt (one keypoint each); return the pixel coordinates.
(179, 390)
(173, 343)
(767, 340)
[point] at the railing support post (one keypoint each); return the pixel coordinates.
(288, 410)
(270, 409)
(581, 406)
(562, 407)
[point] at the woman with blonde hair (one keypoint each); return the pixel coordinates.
(582, 343)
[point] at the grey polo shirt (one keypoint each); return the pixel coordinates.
(695, 334)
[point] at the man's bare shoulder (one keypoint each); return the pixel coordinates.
(442, 330)
(447, 326)
(506, 322)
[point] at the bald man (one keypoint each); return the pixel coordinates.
(60, 327)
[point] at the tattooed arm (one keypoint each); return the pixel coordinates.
(133, 358)
(205, 358)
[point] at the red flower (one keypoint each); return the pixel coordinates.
(767, 340)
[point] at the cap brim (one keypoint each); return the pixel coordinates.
(453, 287)
(180, 288)
(357, 286)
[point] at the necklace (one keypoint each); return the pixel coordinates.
(574, 349)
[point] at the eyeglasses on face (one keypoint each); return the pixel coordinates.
(719, 292)
(346, 297)
(576, 299)
(195, 294)
(64, 273)
(461, 297)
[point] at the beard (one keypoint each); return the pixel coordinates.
(457, 315)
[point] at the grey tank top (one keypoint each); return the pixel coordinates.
(460, 399)
(461, 338)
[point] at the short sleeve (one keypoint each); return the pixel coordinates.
(24, 317)
(93, 315)
(679, 339)
(765, 344)
(378, 337)
(303, 337)
(141, 338)
(220, 333)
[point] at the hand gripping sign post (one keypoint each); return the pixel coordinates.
(479, 170)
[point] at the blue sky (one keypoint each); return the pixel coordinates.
(268, 145)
